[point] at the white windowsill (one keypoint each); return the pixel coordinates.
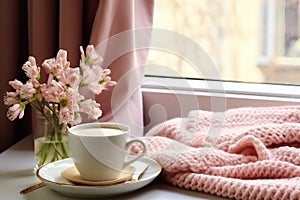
(221, 88)
(166, 98)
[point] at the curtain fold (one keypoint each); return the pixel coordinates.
(116, 36)
(70, 28)
(13, 52)
(43, 29)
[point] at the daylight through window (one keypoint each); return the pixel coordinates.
(248, 41)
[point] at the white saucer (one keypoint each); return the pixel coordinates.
(51, 175)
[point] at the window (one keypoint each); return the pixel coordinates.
(243, 43)
(248, 41)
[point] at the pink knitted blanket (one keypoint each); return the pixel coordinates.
(243, 153)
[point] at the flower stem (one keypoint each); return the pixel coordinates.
(53, 147)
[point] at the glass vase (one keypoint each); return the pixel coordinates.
(50, 141)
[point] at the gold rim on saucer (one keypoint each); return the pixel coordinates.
(73, 175)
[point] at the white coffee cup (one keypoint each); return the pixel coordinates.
(100, 150)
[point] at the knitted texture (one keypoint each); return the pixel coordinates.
(242, 153)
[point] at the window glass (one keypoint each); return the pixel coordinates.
(248, 40)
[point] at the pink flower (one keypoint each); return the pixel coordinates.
(71, 77)
(91, 57)
(32, 71)
(59, 99)
(96, 79)
(56, 66)
(61, 59)
(16, 84)
(49, 66)
(77, 98)
(106, 80)
(66, 115)
(11, 98)
(91, 108)
(27, 91)
(91, 77)
(17, 110)
(67, 104)
(52, 92)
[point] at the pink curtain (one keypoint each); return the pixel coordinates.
(117, 35)
(64, 24)
(41, 27)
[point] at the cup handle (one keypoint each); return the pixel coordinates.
(137, 156)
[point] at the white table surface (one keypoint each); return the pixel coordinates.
(16, 173)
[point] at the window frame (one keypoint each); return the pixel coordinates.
(166, 97)
(273, 38)
(268, 30)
